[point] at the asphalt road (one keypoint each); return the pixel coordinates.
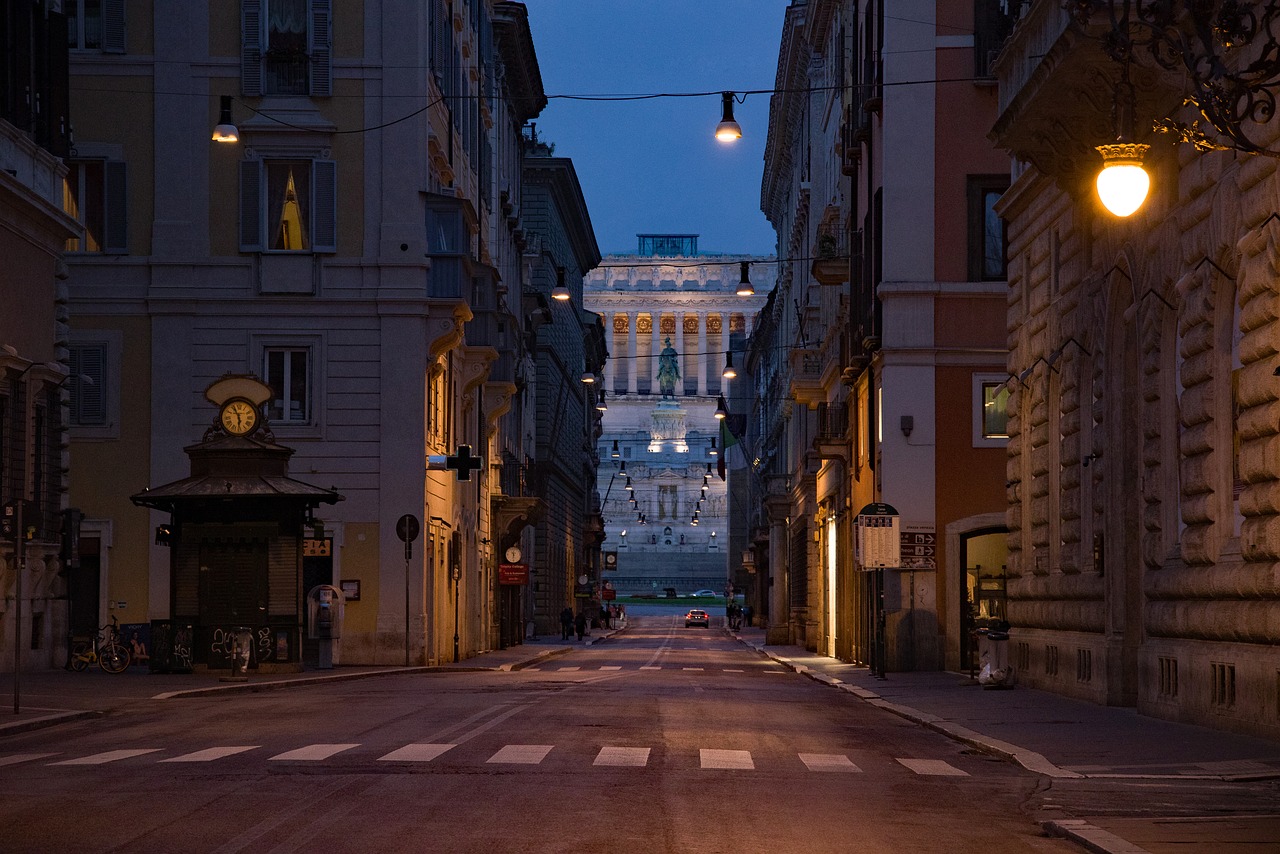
(662, 739)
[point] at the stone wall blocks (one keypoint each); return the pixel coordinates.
(1250, 621)
(1074, 616)
(1260, 537)
(1259, 422)
(1197, 438)
(1197, 405)
(1198, 546)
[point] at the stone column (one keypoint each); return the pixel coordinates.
(656, 314)
(702, 353)
(611, 364)
(680, 349)
(778, 629)
(633, 318)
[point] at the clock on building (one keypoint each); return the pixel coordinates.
(238, 416)
(513, 554)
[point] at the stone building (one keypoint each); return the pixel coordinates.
(34, 369)
(878, 363)
(1143, 472)
(659, 450)
(360, 248)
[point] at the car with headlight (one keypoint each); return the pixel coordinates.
(697, 617)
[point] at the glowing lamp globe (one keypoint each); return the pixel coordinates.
(1123, 184)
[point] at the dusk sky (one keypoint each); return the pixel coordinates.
(653, 166)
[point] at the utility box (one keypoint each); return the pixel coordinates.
(325, 606)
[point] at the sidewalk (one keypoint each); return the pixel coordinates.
(1066, 738)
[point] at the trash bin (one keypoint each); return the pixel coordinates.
(993, 652)
(171, 647)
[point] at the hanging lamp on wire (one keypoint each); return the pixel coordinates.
(225, 131)
(712, 450)
(728, 130)
(722, 408)
(560, 291)
(745, 288)
(729, 371)
(601, 406)
(615, 453)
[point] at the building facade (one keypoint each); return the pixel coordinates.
(1142, 466)
(663, 450)
(878, 362)
(360, 248)
(34, 362)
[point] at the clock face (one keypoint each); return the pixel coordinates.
(239, 417)
(513, 555)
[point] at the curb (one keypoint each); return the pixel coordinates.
(46, 721)
(1090, 837)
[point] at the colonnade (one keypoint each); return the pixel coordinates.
(629, 361)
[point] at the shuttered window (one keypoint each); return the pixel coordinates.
(288, 206)
(88, 383)
(286, 47)
(96, 194)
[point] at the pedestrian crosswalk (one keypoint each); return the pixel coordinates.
(613, 668)
(607, 756)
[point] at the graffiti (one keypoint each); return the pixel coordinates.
(181, 656)
(262, 643)
(265, 648)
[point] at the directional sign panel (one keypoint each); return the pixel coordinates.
(919, 550)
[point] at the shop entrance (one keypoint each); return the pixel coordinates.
(984, 555)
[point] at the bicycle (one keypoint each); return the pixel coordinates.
(105, 649)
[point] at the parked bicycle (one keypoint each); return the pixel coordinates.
(105, 649)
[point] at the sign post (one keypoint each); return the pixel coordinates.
(407, 529)
(879, 547)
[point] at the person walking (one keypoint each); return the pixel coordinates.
(581, 624)
(566, 623)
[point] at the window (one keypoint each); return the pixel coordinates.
(95, 25)
(287, 371)
(995, 412)
(88, 379)
(990, 410)
(286, 48)
(288, 205)
(94, 193)
(986, 229)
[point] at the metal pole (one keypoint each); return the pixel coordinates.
(456, 597)
(19, 557)
(406, 604)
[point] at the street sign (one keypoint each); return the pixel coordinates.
(878, 542)
(918, 550)
(610, 560)
(407, 528)
(513, 573)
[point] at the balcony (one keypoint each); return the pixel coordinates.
(806, 375)
(832, 440)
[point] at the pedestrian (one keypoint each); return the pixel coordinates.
(604, 617)
(566, 623)
(581, 624)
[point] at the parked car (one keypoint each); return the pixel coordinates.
(697, 617)
(704, 593)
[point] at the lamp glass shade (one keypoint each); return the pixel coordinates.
(728, 130)
(225, 131)
(588, 377)
(745, 288)
(615, 454)
(1123, 184)
(729, 371)
(560, 292)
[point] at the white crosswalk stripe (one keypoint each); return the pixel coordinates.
(610, 667)
(631, 757)
(415, 753)
(522, 754)
(312, 752)
(23, 757)
(569, 669)
(209, 754)
(512, 754)
(737, 760)
(932, 768)
(828, 762)
(109, 756)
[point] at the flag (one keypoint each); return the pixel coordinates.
(729, 445)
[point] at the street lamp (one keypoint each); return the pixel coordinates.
(729, 371)
(728, 130)
(560, 292)
(225, 131)
(722, 409)
(745, 288)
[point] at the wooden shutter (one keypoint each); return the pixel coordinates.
(88, 364)
(284, 573)
(113, 32)
(324, 204)
(115, 207)
(321, 49)
(251, 47)
(250, 206)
